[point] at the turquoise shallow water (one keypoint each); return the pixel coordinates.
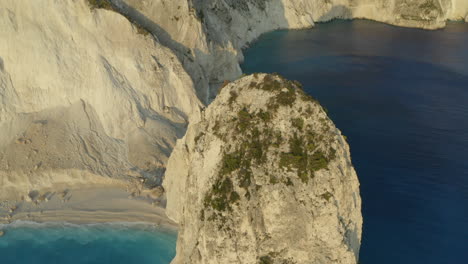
(31, 243)
(400, 95)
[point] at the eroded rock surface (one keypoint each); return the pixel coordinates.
(84, 97)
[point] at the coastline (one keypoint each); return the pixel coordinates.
(98, 205)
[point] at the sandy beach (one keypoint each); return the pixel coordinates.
(88, 205)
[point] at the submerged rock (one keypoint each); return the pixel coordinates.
(264, 177)
(2, 233)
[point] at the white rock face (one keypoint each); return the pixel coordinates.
(458, 10)
(176, 25)
(84, 97)
(264, 177)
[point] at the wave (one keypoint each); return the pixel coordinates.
(47, 232)
(57, 224)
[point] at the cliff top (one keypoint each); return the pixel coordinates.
(264, 177)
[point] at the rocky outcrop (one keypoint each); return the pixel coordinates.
(85, 97)
(264, 177)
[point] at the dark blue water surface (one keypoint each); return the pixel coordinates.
(401, 97)
(29, 243)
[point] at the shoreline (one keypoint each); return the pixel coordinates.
(83, 218)
(143, 226)
(89, 206)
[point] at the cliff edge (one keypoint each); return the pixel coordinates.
(264, 177)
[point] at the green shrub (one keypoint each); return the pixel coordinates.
(221, 195)
(256, 150)
(233, 97)
(230, 163)
(318, 161)
(244, 118)
(298, 123)
(301, 158)
(327, 196)
(245, 178)
(296, 145)
(286, 98)
(224, 186)
(104, 4)
(273, 179)
(272, 106)
(234, 197)
(289, 160)
(265, 260)
(264, 116)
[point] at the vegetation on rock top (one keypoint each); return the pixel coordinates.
(104, 4)
(254, 143)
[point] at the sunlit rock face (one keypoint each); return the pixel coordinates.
(84, 97)
(264, 177)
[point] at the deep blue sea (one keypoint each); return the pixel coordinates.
(401, 97)
(58, 243)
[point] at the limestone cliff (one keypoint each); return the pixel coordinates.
(84, 97)
(264, 177)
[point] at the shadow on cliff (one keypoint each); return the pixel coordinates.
(240, 21)
(183, 53)
(336, 12)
